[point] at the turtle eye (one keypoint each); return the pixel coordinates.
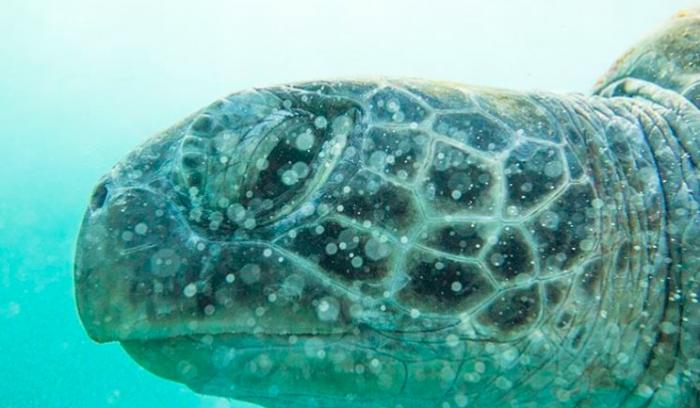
(291, 160)
(255, 157)
(283, 162)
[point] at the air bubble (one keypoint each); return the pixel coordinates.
(141, 228)
(376, 250)
(190, 290)
(320, 122)
(305, 141)
(331, 249)
(553, 169)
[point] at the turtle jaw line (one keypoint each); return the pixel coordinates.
(262, 336)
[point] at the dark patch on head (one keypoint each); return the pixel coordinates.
(239, 275)
(202, 124)
(554, 292)
(474, 129)
(368, 197)
(513, 310)
(564, 320)
(465, 239)
(578, 337)
(560, 245)
(591, 277)
(342, 251)
(533, 171)
(510, 256)
(398, 152)
(443, 285)
(393, 105)
(573, 135)
(458, 182)
(624, 255)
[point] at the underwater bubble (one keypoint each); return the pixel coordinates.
(190, 290)
(141, 228)
(320, 122)
(304, 141)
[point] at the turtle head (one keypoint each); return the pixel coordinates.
(179, 238)
(216, 236)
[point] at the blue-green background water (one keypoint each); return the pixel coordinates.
(82, 82)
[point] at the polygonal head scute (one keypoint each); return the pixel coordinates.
(393, 105)
(343, 251)
(441, 285)
(533, 172)
(511, 257)
(475, 130)
(459, 182)
(368, 197)
(398, 153)
(512, 312)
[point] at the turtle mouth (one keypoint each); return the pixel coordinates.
(270, 368)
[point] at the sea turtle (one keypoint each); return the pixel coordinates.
(407, 243)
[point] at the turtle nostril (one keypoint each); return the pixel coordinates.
(99, 196)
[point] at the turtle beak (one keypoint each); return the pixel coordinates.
(122, 233)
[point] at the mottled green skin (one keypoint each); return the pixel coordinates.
(404, 243)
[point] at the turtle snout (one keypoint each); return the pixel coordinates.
(125, 234)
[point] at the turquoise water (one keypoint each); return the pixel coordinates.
(83, 83)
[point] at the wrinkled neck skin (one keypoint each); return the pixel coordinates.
(640, 140)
